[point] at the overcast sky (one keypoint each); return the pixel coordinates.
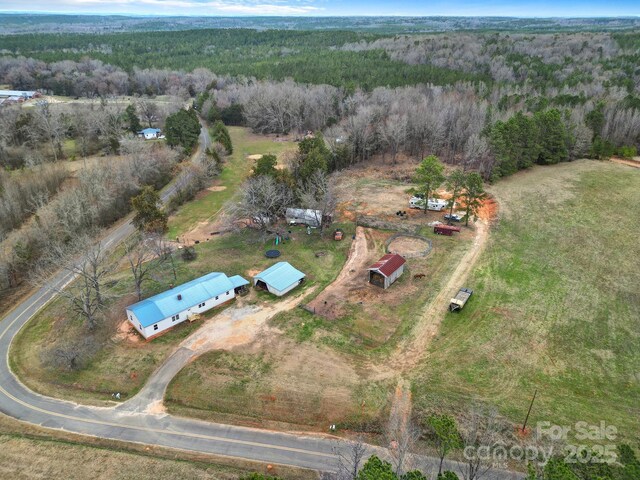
(521, 8)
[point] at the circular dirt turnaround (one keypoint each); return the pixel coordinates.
(409, 245)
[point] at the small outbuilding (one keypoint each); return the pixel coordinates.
(279, 278)
(156, 314)
(306, 216)
(386, 270)
(150, 133)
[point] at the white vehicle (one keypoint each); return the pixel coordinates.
(436, 204)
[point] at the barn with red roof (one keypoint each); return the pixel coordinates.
(386, 270)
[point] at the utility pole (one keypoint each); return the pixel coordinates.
(524, 425)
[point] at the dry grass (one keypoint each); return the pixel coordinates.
(32, 452)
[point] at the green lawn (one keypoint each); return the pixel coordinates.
(556, 305)
(235, 170)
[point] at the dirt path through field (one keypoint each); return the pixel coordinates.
(635, 162)
(410, 352)
(360, 254)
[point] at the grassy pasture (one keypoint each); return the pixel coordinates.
(236, 169)
(556, 305)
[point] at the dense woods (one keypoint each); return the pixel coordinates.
(493, 103)
(450, 94)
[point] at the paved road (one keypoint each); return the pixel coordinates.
(19, 402)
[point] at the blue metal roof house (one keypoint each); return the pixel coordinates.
(150, 133)
(279, 278)
(159, 313)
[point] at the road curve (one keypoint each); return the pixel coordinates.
(17, 401)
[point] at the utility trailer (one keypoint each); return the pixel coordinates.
(443, 229)
(460, 299)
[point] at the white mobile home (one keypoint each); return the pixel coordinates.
(159, 313)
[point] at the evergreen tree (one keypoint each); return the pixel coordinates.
(429, 176)
(473, 195)
(132, 119)
(266, 165)
(221, 135)
(455, 184)
(183, 128)
(149, 217)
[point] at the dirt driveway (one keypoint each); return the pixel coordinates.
(329, 303)
(237, 325)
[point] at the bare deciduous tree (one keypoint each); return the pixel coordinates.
(318, 195)
(139, 254)
(351, 456)
(263, 200)
(85, 290)
(480, 431)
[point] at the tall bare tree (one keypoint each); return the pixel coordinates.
(263, 200)
(50, 126)
(351, 456)
(88, 272)
(480, 431)
(318, 195)
(139, 254)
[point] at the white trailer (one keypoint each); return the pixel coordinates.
(436, 204)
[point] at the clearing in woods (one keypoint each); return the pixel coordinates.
(196, 219)
(555, 306)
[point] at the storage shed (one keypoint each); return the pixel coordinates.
(304, 216)
(159, 313)
(279, 278)
(386, 270)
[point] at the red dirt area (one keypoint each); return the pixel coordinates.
(489, 209)
(127, 332)
(635, 162)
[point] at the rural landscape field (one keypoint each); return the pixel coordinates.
(290, 245)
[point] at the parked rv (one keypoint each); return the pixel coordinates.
(436, 204)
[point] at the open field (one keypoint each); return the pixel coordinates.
(555, 306)
(33, 452)
(208, 203)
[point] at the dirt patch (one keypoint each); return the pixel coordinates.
(217, 188)
(489, 209)
(634, 162)
(256, 156)
(330, 303)
(126, 332)
(408, 246)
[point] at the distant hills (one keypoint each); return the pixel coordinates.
(21, 23)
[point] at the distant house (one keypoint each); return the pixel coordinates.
(305, 216)
(159, 313)
(279, 278)
(386, 270)
(14, 96)
(150, 133)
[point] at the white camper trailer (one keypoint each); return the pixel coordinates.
(436, 204)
